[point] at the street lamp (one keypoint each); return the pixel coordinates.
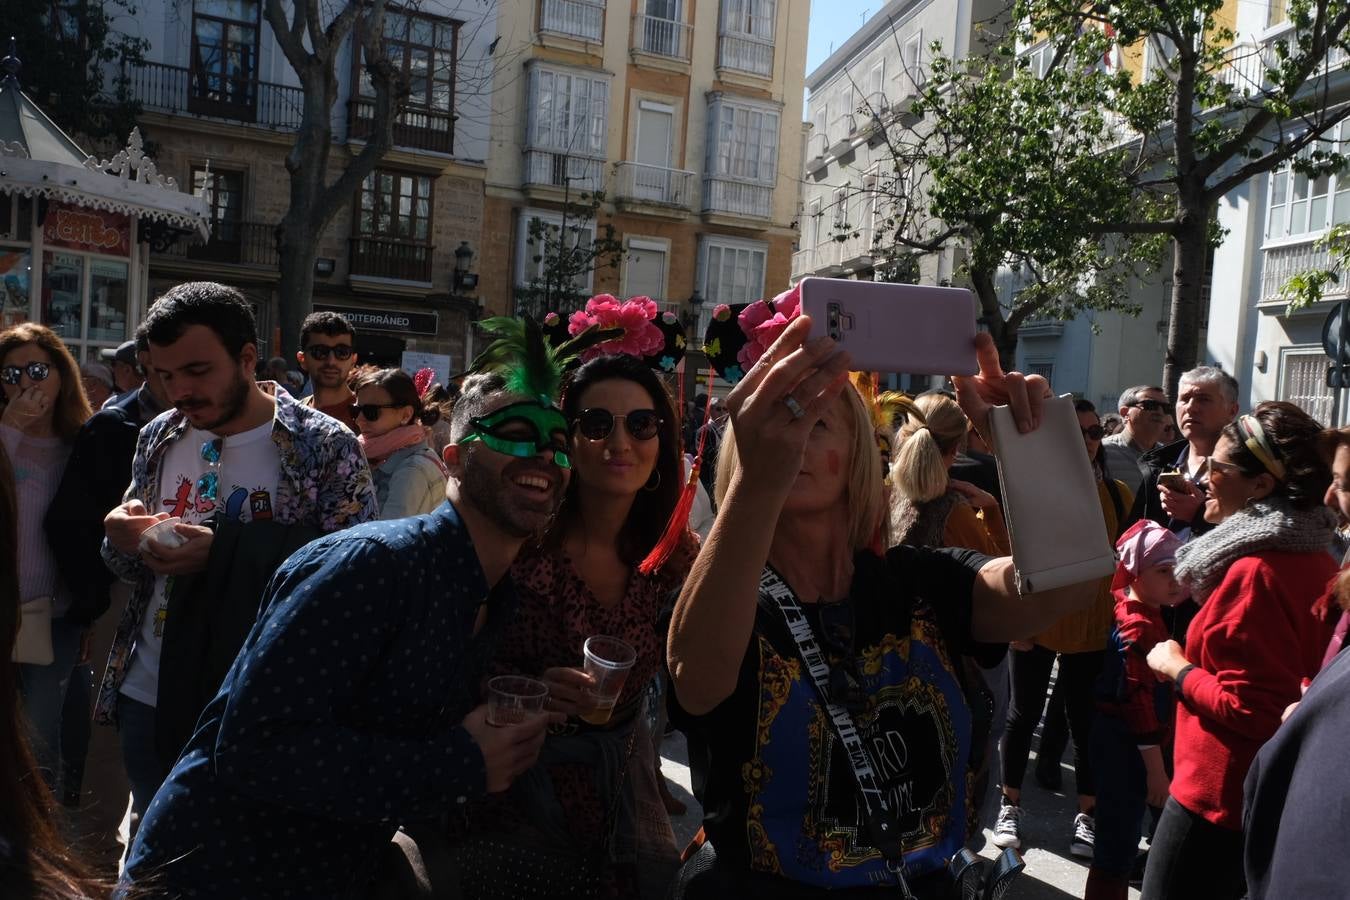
(464, 279)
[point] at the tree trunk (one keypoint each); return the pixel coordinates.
(1190, 246)
(297, 249)
(1003, 332)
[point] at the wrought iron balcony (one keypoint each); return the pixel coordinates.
(234, 243)
(417, 129)
(580, 19)
(653, 184)
(560, 169)
(174, 89)
(396, 258)
(662, 37)
(745, 54)
(737, 197)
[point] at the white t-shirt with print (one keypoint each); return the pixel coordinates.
(246, 487)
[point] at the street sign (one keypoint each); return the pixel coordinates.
(1331, 332)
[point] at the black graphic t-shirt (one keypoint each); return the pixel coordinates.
(778, 794)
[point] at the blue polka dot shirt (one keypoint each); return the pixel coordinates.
(338, 721)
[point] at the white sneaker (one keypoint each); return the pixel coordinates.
(1084, 836)
(1008, 828)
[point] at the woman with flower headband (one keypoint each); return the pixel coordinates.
(1259, 633)
(394, 421)
(594, 795)
(814, 676)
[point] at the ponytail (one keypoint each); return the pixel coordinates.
(933, 427)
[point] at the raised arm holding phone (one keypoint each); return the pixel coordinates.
(800, 498)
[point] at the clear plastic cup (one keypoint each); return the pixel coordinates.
(608, 662)
(162, 533)
(514, 698)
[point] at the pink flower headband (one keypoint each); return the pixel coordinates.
(734, 348)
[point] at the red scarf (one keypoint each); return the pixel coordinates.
(378, 449)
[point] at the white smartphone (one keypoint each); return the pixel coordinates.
(911, 328)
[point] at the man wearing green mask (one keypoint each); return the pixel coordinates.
(354, 705)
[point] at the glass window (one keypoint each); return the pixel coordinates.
(223, 191)
(570, 113)
(107, 300)
(395, 205)
(225, 50)
(645, 272)
(747, 141)
(911, 62)
(753, 18)
(423, 48)
(733, 273)
(62, 293)
(533, 253)
(15, 285)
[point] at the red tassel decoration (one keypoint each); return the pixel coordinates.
(679, 519)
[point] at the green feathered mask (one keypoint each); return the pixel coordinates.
(521, 354)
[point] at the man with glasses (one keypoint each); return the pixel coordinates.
(327, 356)
(1144, 411)
(249, 475)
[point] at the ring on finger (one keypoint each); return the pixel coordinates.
(793, 406)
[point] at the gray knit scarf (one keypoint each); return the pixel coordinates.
(1260, 525)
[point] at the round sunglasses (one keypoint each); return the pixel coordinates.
(596, 424)
(38, 371)
(371, 411)
(1094, 432)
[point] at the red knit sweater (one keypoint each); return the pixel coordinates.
(1254, 640)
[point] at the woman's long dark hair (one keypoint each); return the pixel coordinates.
(38, 862)
(72, 406)
(1099, 464)
(401, 389)
(651, 508)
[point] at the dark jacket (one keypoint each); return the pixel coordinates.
(1147, 503)
(95, 477)
(209, 616)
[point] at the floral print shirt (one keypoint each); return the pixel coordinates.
(324, 482)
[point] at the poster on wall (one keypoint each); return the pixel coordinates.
(89, 230)
(15, 286)
(437, 362)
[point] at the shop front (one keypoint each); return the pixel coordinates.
(76, 234)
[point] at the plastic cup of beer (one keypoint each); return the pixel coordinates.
(608, 662)
(512, 699)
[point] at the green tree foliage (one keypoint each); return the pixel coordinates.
(1208, 116)
(987, 160)
(73, 54)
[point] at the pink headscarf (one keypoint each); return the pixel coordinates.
(1144, 544)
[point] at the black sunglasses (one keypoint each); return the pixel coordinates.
(321, 351)
(1094, 433)
(1150, 405)
(596, 424)
(38, 371)
(837, 633)
(371, 411)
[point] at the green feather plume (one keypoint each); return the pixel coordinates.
(522, 355)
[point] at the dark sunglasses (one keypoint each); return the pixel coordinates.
(596, 424)
(1150, 405)
(371, 411)
(321, 351)
(837, 633)
(1094, 433)
(38, 371)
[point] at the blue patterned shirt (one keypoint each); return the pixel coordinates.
(325, 482)
(338, 722)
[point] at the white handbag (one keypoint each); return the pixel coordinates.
(33, 645)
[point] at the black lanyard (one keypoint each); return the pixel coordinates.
(882, 825)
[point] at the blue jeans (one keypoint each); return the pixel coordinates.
(43, 691)
(145, 772)
(1121, 796)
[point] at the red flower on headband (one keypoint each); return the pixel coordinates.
(422, 380)
(764, 322)
(641, 337)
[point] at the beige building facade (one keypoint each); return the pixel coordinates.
(221, 105)
(684, 113)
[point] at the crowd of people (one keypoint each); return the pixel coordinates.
(368, 636)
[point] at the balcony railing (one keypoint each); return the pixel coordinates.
(654, 184)
(737, 198)
(563, 170)
(235, 243)
(817, 145)
(418, 129)
(395, 258)
(842, 130)
(174, 89)
(1249, 62)
(581, 19)
(804, 262)
(662, 37)
(1278, 264)
(745, 54)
